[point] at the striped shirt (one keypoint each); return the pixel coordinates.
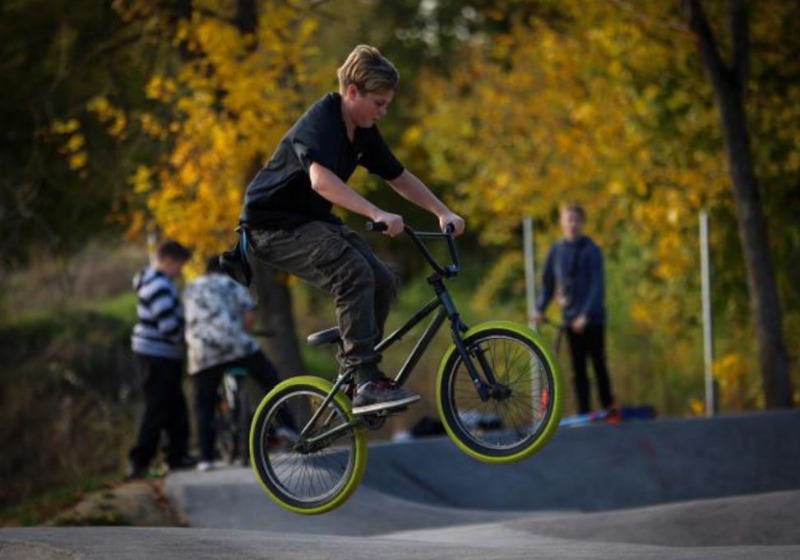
(159, 331)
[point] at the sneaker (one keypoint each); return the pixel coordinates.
(205, 466)
(381, 394)
(184, 462)
(613, 415)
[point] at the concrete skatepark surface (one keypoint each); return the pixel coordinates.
(727, 487)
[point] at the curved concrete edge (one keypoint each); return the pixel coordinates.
(604, 467)
(231, 498)
(758, 520)
(753, 520)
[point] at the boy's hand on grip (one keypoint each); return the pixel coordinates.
(452, 219)
(394, 223)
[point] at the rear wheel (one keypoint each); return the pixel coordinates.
(318, 472)
(523, 410)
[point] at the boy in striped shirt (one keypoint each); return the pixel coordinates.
(158, 349)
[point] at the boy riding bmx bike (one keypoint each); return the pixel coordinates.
(288, 222)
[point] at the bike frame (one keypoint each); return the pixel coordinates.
(445, 308)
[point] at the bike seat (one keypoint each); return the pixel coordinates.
(328, 336)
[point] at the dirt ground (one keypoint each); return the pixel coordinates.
(138, 503)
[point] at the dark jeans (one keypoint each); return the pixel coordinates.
(335, 259)
(165, 410)
(207, 381)
(590, 342)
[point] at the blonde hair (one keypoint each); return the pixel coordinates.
(368, 70)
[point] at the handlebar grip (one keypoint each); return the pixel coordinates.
(376, 226)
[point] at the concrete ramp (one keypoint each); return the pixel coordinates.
(231, 498)
(429, 483)
(603, 467)
(728, 488)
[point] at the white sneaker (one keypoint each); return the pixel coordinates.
(205, 466)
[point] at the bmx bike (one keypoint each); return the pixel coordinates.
(234, 412)
(499, 369)
(238, 396)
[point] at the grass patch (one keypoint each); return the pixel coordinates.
(121, 308)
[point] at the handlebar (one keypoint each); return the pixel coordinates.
(448, 271)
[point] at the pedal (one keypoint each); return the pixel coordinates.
(389, 412)
(381, 413)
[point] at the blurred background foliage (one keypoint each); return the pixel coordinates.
(126, 118)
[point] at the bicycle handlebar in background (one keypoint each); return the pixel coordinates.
(448, 271)
(554, 324)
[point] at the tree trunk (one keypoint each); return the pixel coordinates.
(274, 297)
(729, 89)
(275, 313)
(246, 16)
(764, 300)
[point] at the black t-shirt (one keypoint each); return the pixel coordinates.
(280, 196)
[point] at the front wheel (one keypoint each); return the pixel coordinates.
(317, 472)
(523, 406)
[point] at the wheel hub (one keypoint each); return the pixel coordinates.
(500, 392)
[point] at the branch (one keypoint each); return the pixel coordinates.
(698, 25)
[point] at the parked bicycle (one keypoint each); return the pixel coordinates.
(237, 399)
(561, 333)
(235, 410)
(496, 369)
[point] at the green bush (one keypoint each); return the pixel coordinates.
(65, 407)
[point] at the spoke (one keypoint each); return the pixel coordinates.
(521, 411)
(516, 365)
(313, 476)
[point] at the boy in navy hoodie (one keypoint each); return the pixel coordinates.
(573, 274)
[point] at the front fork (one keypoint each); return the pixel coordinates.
(488, 389)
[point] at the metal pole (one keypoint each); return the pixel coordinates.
(708, 326)
(152, 242)
(530, 268)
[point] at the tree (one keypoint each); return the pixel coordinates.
(605, 103)
(57, 56)
(729, 81)
(235, 81)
